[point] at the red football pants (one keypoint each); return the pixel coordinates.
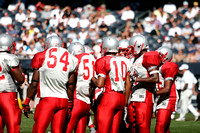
(10, 113)
(52, 110)
(79, 117)
(143, 113)
(163, 119)
(109, 112)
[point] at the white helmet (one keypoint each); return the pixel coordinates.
(53, 41)
(110, 44)
(123, 47)
(165, 53)
(88, 49)
(137, 43)
(124, 43)
(76, 48)
(6, 42)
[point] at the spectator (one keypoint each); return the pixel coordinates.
(101, 10)
(51, 33)
(148, 25)
(27, 23)
(162, 17)
(53, 21)
(169, 8)
(188, 90)
(31, 51)
(195, 8)
(88, 9)
(14, 7)
(20, 16)
(46, 13)
(78, 39)
(180, 57)
(31, 14)
(12, 31)
(97, 48)
(73, 21)
(167, 42)
(55, 11)
(127, 14)
(84, 22)
(174, 30)
(189, 15)
(178, 45)
(197, 53)
(191, 57)
(182, 10)
(26, 37)
(83, 34)
(6, 20)
(19, 43)
(70, 40)
(190, 47)
(39, 45)
(103, 28)
(21, 53)
(40, 6)
(187, 30)
(64, 20)
(156, 31)
(140, 27)
(72, 34)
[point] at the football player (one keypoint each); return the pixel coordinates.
(123, 47)
(81, 102)
(10, 71)
(53, 70)
(144, 75)
(167, 94)
(112, 74)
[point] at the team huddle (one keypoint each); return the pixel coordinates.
(121, 88)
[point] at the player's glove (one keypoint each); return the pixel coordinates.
(26, 108)
(69, 109)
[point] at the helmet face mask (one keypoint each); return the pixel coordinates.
(123, 47)
(53, 41)
(165, 53)
(76, 48)
(110, 45)
(6, 42)
(136, 44)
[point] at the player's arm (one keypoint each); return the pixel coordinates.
(153, 77)
(71, 84)
(166, 89)
(18, 74)
(127, 89)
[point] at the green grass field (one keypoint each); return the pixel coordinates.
(188, 126)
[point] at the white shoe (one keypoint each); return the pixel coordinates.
(92, 130)
(172, 116)
(180, 119)
(196, 117)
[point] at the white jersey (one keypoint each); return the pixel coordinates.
(140, 92)
(85, 71)
(54, 64)
(115, 70)
(7, 62)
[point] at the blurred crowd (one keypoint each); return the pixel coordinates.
(177, 27)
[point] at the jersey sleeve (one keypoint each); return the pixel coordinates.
(12, 61)
(169, 70)
(151, 60)
(38, 60)
(101, 68)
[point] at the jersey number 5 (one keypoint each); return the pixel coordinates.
(63, 59)
(86, 74)
(1, 76)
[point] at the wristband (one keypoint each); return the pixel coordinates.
(27, 101)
